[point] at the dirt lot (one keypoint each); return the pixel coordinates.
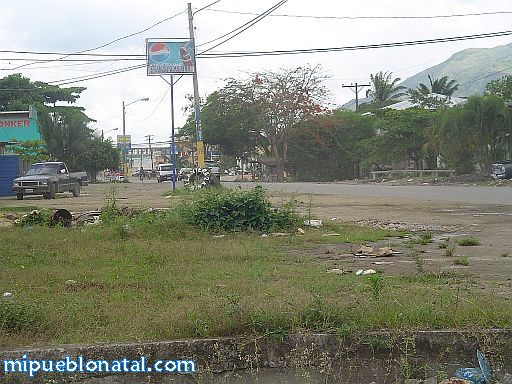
(491, 261)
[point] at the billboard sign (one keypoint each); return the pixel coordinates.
(169, 57)
(124, 142)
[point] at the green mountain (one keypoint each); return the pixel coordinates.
(471, 68)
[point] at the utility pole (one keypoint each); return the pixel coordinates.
(199, 132)
(124, 148)
(150, 150)
(357, 88)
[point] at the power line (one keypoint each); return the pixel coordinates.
(236, 29)
(39, 61)
(111, 42)
(354, 48)
(369, 17)
(206, 6)
(97, 76)
(251, 23)
(299, 51)
(67, 54)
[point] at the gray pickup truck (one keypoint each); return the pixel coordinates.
(47, 179)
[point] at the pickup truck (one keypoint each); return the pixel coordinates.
(47, 179)
(502, 169)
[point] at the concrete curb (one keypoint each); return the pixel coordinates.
(380, 357)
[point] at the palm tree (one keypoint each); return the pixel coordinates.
(440, 86)
(384, 88)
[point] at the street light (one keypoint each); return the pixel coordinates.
(124, 127)
(110, 130)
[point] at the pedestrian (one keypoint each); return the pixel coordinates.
(141, 174)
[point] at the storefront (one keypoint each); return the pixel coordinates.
(15, 127)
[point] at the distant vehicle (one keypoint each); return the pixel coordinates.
(502, 169)
(114, 176)
(163, 172)
(150, 173)
(214, 170)
(47, 179)
(184, 174)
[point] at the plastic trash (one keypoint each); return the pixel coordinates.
(7, 295)
(365, 272)
(313, 223)
(482, 375)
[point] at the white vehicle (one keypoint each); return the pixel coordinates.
(163, 172)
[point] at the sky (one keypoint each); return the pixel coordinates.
(63, 26)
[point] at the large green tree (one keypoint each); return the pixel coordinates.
(267, 109)
(66, 134)
(229, 122)
(18, 92)
(284, 99)
(441, 86)
(475, 133)
(99, 155)
(402, 136)
(428, 96)
(330, 147)
(501, 87)
(63, 126)
(384, 89)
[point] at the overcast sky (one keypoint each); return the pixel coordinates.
(72, 26)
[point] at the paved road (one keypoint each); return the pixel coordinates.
(150, 193)
(456, 194)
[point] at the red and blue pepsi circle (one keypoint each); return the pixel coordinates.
(159, 52)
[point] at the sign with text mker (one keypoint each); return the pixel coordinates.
(170, 57)
(124, 142)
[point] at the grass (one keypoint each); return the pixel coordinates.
(468, 242)
(449, 251)
(163, 279)
(461, 260)
(18, 209)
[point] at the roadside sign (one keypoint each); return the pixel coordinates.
(170, 57)
(124, 142)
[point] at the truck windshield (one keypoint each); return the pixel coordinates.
(43, 169)
(166, 168)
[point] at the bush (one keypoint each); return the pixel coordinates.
(224, 209)
(35, 218)
(16, 317)
(468, 242)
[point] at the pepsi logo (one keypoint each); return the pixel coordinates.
(159, 52)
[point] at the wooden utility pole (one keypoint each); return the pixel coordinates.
(150, 150)
(197, 105)
(357, 88)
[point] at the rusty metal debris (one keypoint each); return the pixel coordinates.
(61, 217)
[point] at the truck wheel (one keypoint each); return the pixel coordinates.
(76, 190)
(53, 191)
(19, 196)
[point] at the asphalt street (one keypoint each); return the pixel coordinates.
(456, 194)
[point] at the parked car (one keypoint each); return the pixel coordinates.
(502, 169)
(47, 179)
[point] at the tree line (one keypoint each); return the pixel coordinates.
(64, 128)
(286, 116)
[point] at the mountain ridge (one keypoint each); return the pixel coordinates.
(471, 68)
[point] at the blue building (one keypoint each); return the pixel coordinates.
(15, 127)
